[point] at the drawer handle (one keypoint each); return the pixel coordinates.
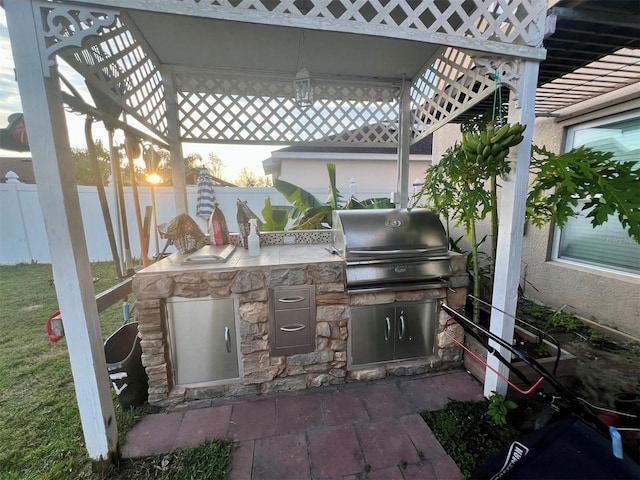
(291, 299)
(296, 327)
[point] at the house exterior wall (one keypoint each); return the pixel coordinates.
(368, 174)
(444, 138)
(609, 298)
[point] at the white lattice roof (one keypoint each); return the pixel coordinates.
(230, 64)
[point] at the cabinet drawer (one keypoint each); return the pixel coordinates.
(294, 332)
(292, 320)
(291, 298)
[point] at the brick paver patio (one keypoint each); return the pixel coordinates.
(365, 430)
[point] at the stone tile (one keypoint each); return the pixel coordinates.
(385, 444)
(335, 452)
(389, 473)
(462, 386)
(424, 393)
(242, 461)
(341, 408)
(421, 471)
(203, 424)
(445, 467)
(420, 434)
(155, 433)
(281, 457)
(298, 413)
(384, 400)
(251, 420)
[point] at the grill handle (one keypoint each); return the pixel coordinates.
(411, 251)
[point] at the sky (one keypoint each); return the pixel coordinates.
(234, 157)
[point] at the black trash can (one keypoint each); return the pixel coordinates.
(124, 364)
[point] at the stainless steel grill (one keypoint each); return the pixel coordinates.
(392, 249)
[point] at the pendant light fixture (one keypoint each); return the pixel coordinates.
(302, 84)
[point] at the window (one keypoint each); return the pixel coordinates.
(608, 246)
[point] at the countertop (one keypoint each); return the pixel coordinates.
(270, 256)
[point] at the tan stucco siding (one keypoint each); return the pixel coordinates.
(375, 174)
(609, 298)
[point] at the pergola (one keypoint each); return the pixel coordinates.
(383, 72)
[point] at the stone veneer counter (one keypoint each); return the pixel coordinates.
(270, 256)
(248, 279)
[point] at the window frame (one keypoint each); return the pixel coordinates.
(557, 231)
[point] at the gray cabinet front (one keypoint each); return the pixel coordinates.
(391, 332)
(203, 339)
(292, 320)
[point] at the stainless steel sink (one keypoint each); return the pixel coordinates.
(210, 254)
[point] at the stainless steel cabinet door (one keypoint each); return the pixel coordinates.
(372, 334)
(415, 330)
(203, 339)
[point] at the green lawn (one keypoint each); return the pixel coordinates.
(40, 429)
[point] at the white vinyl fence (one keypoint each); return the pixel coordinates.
(23, 237)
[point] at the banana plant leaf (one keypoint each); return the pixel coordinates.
(299, 197)
(313, 223)
(314, 219)
(310, 213)
(334, 197)
(275, 217)
(368, 203)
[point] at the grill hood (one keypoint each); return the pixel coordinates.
(392, 249)
(388, 233)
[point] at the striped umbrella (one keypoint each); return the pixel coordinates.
(206, 197)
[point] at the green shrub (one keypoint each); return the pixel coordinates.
(499, 407)
(567, 323)
(467, 434)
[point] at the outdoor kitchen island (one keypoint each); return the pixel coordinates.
(310, 281)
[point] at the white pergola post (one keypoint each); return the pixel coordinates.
(404, 140)
(511, 227)
(49, 142)
(178, 174)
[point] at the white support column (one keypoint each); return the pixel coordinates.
(403, 145)
(511, 227)
(178, 174)
(49, 141)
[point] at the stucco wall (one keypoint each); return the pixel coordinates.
(368, 174)
(606, 297)
(444, 138)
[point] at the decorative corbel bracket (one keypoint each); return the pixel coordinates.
(508, 70)
(67, 26)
